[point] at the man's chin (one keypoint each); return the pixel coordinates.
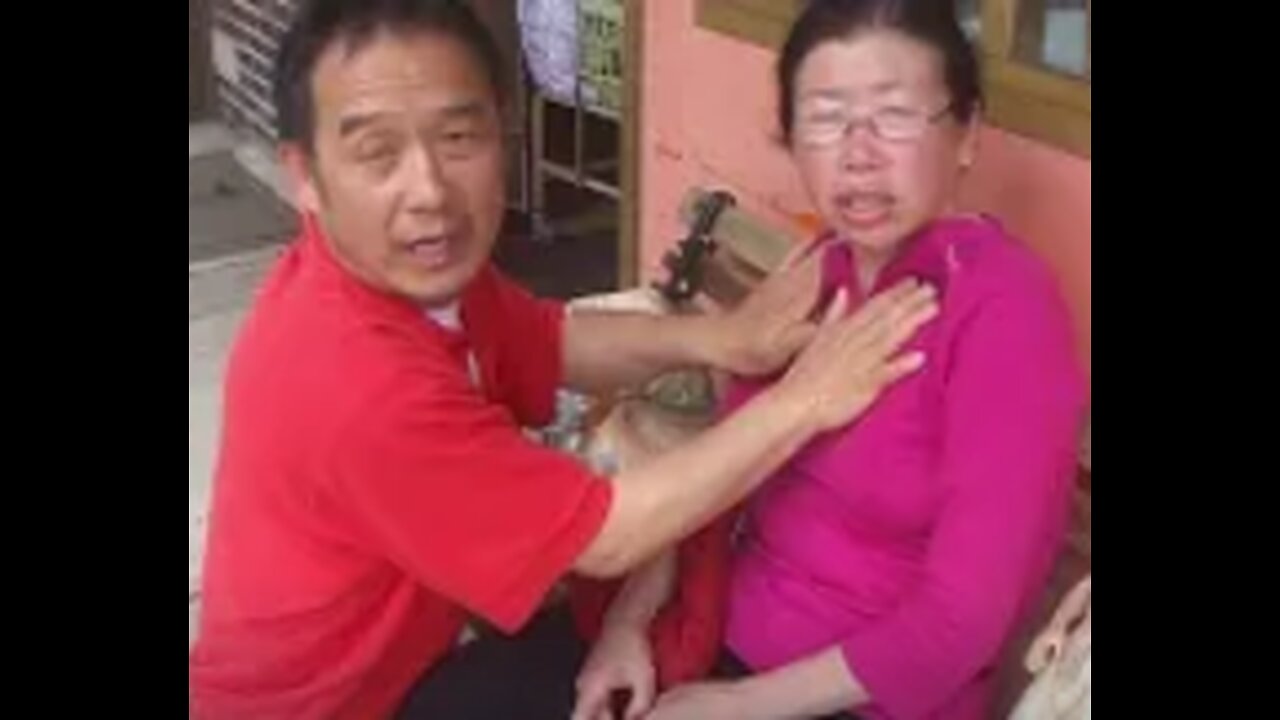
(437, 291)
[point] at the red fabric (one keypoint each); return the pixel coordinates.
(686, 634)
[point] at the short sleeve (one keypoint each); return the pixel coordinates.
(441, 481)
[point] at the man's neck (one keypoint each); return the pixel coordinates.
(446, 316)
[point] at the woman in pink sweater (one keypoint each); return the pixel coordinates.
(880, 573)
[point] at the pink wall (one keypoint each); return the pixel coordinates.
(708, 112)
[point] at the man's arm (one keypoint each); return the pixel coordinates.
(831, 382)
(606, 350)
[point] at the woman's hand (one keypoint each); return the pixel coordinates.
(621, 659)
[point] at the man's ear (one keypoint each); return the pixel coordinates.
(299, 168)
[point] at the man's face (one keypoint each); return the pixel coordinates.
(406, 168)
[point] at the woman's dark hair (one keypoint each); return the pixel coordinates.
(932, 22)
(318, 24)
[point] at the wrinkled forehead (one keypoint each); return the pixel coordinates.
(419, 73)
(870, 65)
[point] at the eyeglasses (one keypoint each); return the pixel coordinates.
(826, 127)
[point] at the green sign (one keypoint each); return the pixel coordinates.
(600, 47)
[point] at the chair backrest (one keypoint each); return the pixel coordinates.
(726, 252)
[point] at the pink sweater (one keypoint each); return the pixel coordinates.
(917, 538)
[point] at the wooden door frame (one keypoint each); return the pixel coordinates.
(629, 234)
(200, 96)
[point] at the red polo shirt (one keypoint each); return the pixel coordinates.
(368, 495)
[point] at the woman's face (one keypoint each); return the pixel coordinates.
(877, 148)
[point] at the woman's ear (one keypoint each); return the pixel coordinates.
(969, 141)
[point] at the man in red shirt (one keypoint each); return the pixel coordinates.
(373, 488)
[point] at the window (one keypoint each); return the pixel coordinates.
(1037, 69)
(1035, 53)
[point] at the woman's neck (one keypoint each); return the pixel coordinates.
(870, 263)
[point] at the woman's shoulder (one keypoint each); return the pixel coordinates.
(1002, 292)
(984, 261)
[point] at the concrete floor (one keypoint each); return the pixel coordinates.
(228, 212)
(236, 231)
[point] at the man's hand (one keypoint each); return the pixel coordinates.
(773, 323)
(620, 660)
(852, 359)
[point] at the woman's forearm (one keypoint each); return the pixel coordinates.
(819, 684)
